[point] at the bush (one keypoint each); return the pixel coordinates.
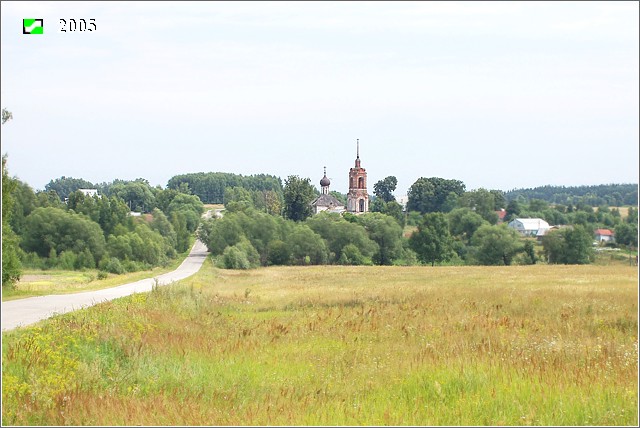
(102, 275)
(240, 256)
(111, 265)
(234, 258)
(33, 261)
(85, 260)
(351, 255)
(66, 260)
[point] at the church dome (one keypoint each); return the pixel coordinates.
(325, 181)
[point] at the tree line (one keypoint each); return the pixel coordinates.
(613, 195)
(41, 230)
(268, 223)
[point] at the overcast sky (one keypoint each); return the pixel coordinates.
(499, 95)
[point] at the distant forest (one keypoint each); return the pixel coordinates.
(612, 195)
(210, 186)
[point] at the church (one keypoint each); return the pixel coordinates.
(357, 198)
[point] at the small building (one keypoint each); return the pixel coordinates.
(604, 235)
(529, 226)
(89, 192)
(502, 213)
(326, 202)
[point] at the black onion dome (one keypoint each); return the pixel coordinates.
(325, 181)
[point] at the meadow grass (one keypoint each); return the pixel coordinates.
(336, 345)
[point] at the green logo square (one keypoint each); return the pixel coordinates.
(33, 26)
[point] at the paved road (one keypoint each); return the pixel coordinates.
(22, 312)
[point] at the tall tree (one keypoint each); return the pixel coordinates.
(433, 194)
(384, 188)
(298, 195)
(481, 201)
(11, 267)
(571, 245)
(385, 231)
(432, 241)
(495, 245)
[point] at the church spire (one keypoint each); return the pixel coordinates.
(357, 153)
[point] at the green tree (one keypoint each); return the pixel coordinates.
(307, 247)
(385, 231)
(64, 186)
(464, 222)
(278, 253)
(338, 232)
(298, 195)
(190, 206)
(23, 202)
(11, 266)
(138, 194)
(495, 245)
(55, 229)
(571, 245)
(220, 233)
(432, 241)
(482, 202)
(433, 194)
(627, 234)
(384, 188)
(394, 209)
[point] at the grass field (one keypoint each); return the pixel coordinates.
(520, 345)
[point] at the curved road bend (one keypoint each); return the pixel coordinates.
(22, 312)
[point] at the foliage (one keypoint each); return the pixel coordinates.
(210, 187)
(138, 194)
(240, 256)
(627, 234)
(11, 266)
(495, 245)
(570, 245)
(54, 229)
(384, 188)
(385, 231)
(338, 233)
(64, 186)
(432, 241)
(482, 202)
(434, 194)
(191, 208)
(307, 247)
(298, 195)
(463, 223)
(608, 194)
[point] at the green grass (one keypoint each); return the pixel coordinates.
(522, 345)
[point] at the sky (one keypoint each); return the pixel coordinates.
(499, 95)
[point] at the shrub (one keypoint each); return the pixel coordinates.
(234, 258)
(66, 260)
(111, 265)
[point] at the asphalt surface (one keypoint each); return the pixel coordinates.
(22, 312)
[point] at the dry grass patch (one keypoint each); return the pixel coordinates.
(332, 345)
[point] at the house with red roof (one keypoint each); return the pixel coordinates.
(604, 235)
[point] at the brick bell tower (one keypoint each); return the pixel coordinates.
(357, 198)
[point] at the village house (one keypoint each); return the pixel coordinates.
(530, 226)
(604, 235)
